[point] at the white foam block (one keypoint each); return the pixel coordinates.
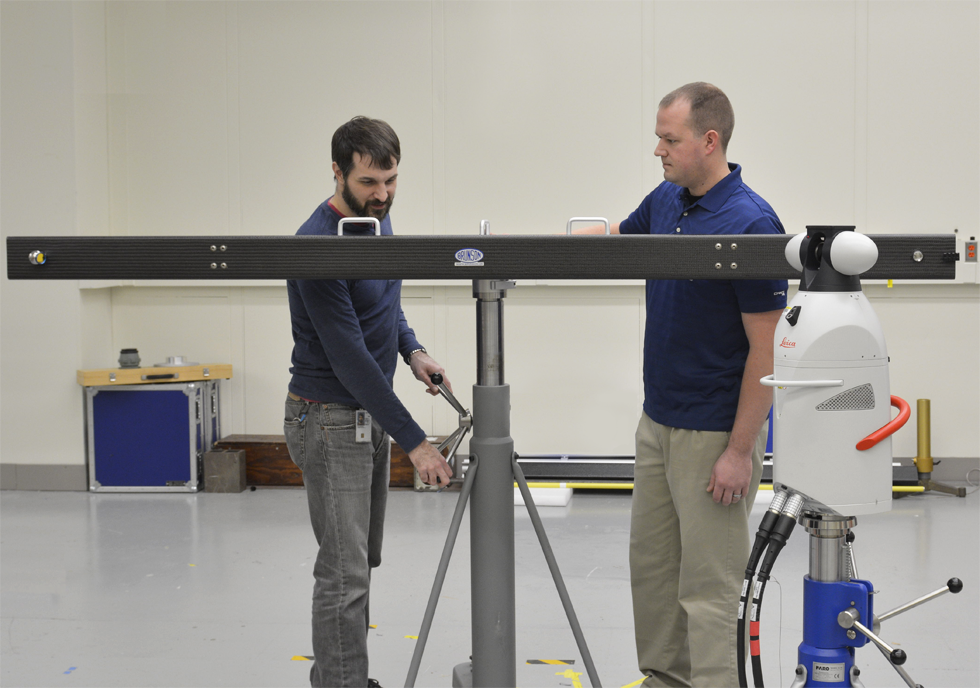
(545, 496)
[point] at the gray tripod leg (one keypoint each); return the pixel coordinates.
(447, 552)
(549, 556)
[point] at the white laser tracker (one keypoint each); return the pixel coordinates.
(831, 401)
(832, 459)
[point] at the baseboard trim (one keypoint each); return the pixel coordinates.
(45, 477)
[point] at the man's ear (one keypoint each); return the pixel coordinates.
(712, 141)
(337, 176)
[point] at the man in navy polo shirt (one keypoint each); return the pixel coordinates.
(702, 435)
(348, 335)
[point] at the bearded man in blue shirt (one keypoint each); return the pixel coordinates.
(347, 338)
(703, 431)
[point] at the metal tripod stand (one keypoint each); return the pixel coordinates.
(489, 486)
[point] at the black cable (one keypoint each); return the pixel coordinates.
(754, 644)
(761, 540)
(777, 540)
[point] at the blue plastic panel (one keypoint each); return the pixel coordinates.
(141, 437)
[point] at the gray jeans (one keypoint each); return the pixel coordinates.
(347, 487)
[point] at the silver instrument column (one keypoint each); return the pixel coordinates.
(830, 558)
(494, 659)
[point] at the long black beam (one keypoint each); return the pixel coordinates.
(901, 256)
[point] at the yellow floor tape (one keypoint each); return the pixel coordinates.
(569, 673)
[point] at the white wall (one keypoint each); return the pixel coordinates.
(215, 118)
(48, 330)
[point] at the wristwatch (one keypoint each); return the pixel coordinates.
(408, 358)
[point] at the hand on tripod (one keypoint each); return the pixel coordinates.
(430, 464)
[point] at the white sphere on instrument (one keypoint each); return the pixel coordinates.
(792, 251)
(852, 253)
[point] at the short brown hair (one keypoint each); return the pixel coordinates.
(710, 109)
(371, 138)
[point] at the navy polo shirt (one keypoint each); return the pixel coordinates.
(695, 346)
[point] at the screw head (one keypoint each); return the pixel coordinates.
(718, 247)
(851, 634)
(214, 266)
(734, 266)
(917, 256)
(717, 266)
(214, 248)
(224, 265)
(734, 246)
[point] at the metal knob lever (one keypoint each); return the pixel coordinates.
(437, 381)
(849, 619)
(953, 585)
(465, 423)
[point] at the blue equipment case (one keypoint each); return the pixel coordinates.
(150, 438)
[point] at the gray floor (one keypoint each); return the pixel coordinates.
(213, 590)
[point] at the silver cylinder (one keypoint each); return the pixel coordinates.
(489, 333)
(828, 559)
(827, 562)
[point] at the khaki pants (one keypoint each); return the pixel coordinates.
(687, 557)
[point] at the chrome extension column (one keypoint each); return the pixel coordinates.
(494, 658)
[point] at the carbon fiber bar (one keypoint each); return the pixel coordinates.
(450, 257)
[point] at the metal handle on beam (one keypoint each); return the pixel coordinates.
(604, 221)
(359, 221)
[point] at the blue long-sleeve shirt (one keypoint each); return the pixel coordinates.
(347, 337)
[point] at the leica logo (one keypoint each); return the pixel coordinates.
(787, 344)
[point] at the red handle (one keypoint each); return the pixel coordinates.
(904, 412)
